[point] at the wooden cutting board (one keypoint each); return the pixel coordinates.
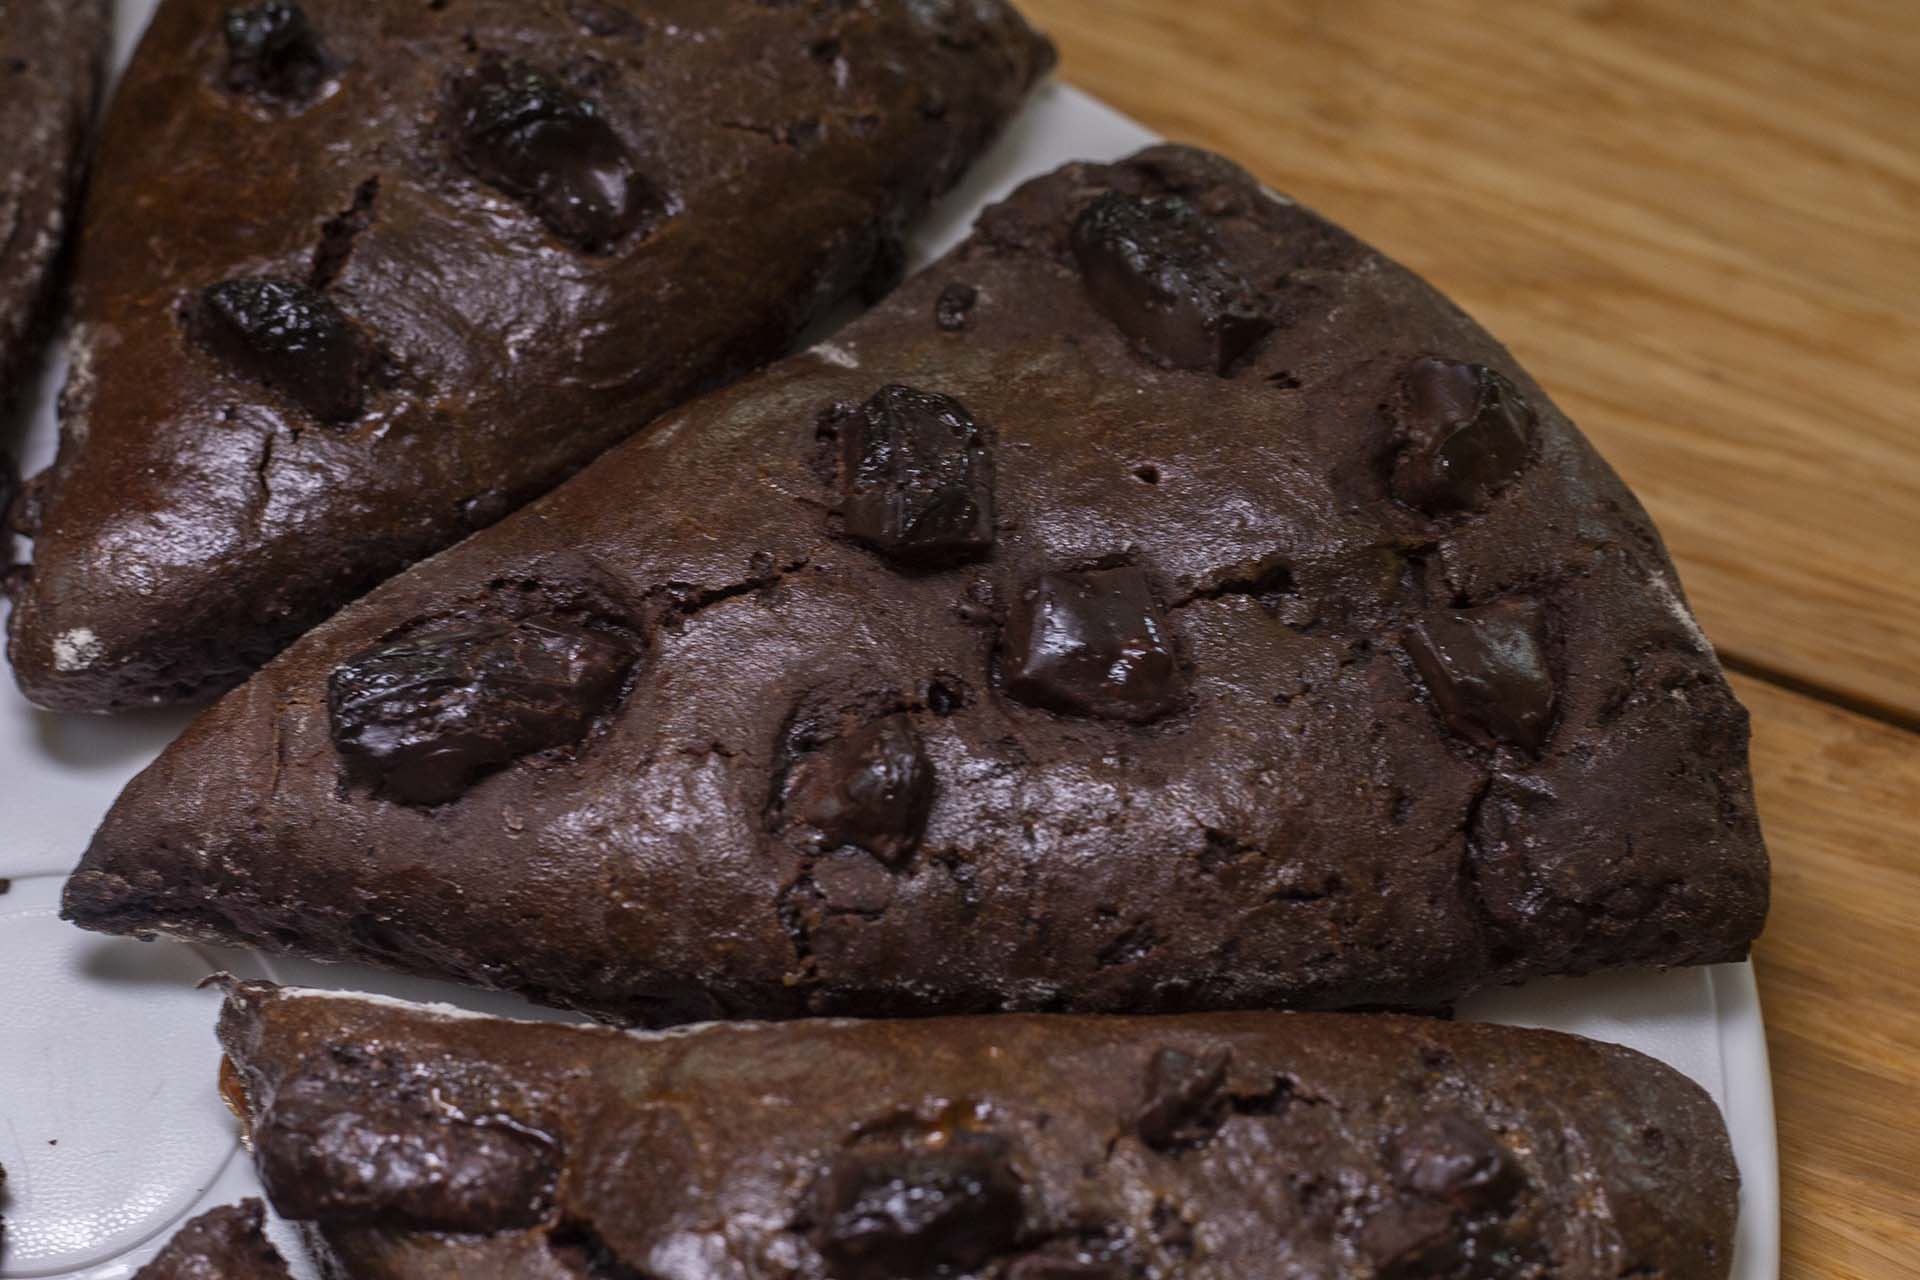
(1698, 223)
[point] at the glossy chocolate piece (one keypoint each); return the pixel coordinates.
(227, 1243)
(524, 132)
(1184, 1102)
(954, 307)
(1468, 432)
(283, 335)
(371, 1151)
(871, 788)
(916, 478)
(1093, 644)
(990, 1148)
(1447, 1157)
(1487, 672)
(273, 51)
(884, 1212)
(424, 718)
(1156, 268)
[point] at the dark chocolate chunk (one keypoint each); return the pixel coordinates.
(1092, 643)
(272, 50)
(1155, 267)
(1448, 1157)
(917, 481)
(1468, 433)
(1409, 1238)
(1185, 1100)
(425, 717)
(1487, 671)
(524, 132)
(334, 1155)
(872, 788)
(954, 306)
(892, 1214)
(290, 338)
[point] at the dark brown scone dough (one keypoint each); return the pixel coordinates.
(1166, 744)
(505, 234)
(52, 59)
(225, 1244)
(1213, 1147)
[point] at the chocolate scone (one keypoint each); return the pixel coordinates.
(1164, 603)
(225, 1244)
(52, 59)
(362, 276)
(1210, 1147)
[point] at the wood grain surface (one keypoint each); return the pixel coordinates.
(1698, 223)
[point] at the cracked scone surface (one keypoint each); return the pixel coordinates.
(983, 660)
(362, 276)
(1208, 1147)
(222, 1244)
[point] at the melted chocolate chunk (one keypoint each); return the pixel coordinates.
(1156, 269)
(1487, 671)
(888, 1214)
(273, 51)
(872, 788)
(954, 306)
(328, 1153)
(917, 482)
(1414, 1239)
(1185, 1100)
(426, 717)
(527, 134)
(288, 337)
(1450, 1158)
(1092, 643)
(1468, 431)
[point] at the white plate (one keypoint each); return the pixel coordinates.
(110, 1127)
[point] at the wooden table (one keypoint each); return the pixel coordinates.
(1698, 223)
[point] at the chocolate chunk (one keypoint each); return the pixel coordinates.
(1185, 1100)
(1414, 1239)
(604, 18)
(954, 306)
(872, 788)
(917, 482)
(426, 717)
(527, 134)
(1092, 643)
(273, 51)
(1450, 1158)
(288, 337)
(1468, 433)
(1156, 269)
(889, 1214)
(336, 1155)
(1487, 671)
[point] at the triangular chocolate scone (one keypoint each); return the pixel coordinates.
(52, 58)
(1166, 602)
(362, 276)
(224, 1244)
(418, 1142)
